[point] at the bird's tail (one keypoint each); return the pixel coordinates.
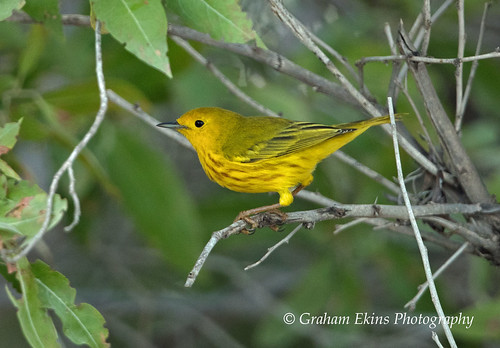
(369, 123)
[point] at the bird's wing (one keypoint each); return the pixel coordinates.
(296, 136)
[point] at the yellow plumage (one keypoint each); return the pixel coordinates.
(263, 154)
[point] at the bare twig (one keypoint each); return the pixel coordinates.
(234, 228)
(137, 111)
(435, 338)
(74, 154)
(428, 60)
(420, 34)
(76, 201)
(390, 39)
(418, 237)
(67, 19)
(423, 287)
(427, 136)
(367, 171)
(459, 71)
(274, 247)
(427, 26)
(303, 34)
(337, 55)
(462, 166)
(340, 228)
(472, 74)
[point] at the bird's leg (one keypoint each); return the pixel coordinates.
(298, 189)
(245, 214)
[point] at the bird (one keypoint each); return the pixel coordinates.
(263, 153)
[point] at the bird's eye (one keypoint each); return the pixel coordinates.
(199, 123)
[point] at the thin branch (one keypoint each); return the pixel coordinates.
(274, 247)
(462, 166)
(76, 201)
(427, 26)
(367, 171)
(66, 19)
(418, 236)
(459, 71)
(234, 228)
(303, 34)
(472, 74)
(423, 287)
(420, 35)
(428, 60)
(340, 228)
(343, 60)
(390, 38)
(74, 154)
(222, 78)
(151, 121)
(427, 136)
(435, 338)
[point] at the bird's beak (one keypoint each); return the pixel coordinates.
(172, 125)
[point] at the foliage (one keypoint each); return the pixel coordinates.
(147, 207)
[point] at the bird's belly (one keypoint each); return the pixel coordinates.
(273, 175)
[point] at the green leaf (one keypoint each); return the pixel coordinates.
(8, 136)
(23, 208)
(7, 6)
(82, 323)
(221, 19)
(22, 204)
(156, 199)
(47, 12)
(36, 325)
(140, 25)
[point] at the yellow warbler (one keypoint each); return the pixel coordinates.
(261, 153)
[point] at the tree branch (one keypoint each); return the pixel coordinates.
(418, 236)
(461, 165)
(337, 211)
(74, 154)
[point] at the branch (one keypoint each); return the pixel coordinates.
(234, 228)
(339, 211)
(423, 287)
(459, 71)
(151, 121)
(274, 247)
(429, 60)
(66, 166)
(303, 34)
(461, 164)
(472, 74)
(418, 236)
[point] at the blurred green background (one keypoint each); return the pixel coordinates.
(148, 208)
